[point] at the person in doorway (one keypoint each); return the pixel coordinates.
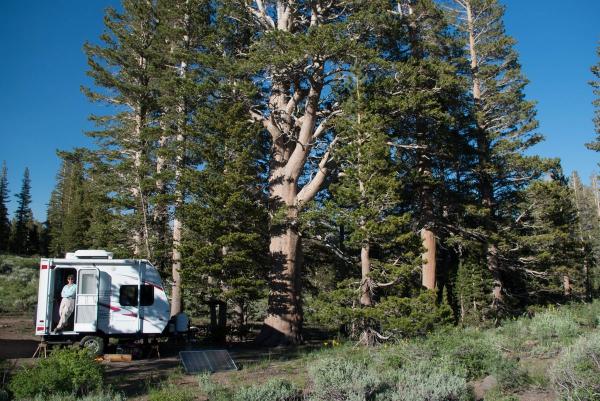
(67, 304)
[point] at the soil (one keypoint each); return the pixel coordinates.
(17, 337)
(18, 343)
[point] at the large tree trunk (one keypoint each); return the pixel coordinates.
(283, 324)
(428, 256)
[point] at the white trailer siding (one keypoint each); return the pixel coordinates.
(45, 294)
(129, 297)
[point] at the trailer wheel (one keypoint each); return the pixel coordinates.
(93, 344)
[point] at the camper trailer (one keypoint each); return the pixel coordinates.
(114, 298)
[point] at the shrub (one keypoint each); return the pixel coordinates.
(108, 396)
(510, 375)
(496, 395)
(5, 372)
(342, 380)
(466, 352)
(427, 381)
(18, 283)
(576, 373)
(171, 392)
(273, 390)
(66, 371)
(543, 335)
(587, 314)
(213, 391)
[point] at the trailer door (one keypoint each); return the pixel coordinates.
(86, 300)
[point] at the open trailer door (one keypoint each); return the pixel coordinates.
(86, 300)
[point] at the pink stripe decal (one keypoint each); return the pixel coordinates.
(112, 308)
(154, 285)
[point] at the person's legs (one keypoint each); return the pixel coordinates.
(66, 308)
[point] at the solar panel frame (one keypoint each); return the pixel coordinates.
(207, 361)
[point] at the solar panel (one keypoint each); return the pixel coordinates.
(217, 360)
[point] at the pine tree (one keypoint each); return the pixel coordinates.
(430, 103)
(54, 214)
(68, 212)
(123, 65)
(365, 200)
(226, 236)
(4, 220)
(183, 27)
(588, 231)
(596, 88)
(550, 251)
(503, 127)
(21, 241)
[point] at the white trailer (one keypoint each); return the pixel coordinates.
(114, 298)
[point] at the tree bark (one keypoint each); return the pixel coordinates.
(283, 324)
(596, 193)
(429, 262)
(567, 289)
(176, 291)
(366, 296)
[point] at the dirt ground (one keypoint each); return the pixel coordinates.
(18, 344)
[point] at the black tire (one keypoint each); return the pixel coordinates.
(94, 344)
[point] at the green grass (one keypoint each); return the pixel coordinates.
(18, 283)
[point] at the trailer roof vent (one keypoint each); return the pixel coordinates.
(89, 254)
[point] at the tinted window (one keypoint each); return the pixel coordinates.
(128, 295)
(147, 297)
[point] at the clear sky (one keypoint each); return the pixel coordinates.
(43, 66)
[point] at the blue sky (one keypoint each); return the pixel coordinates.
(43, 67)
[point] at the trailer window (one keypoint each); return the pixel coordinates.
(128, 295)
(147, 296)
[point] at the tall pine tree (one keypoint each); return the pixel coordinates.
(503, 128)
(4, 219)
(68, 210)
(550, 252)
(595, 145)
(123, 66)
(22, 241)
